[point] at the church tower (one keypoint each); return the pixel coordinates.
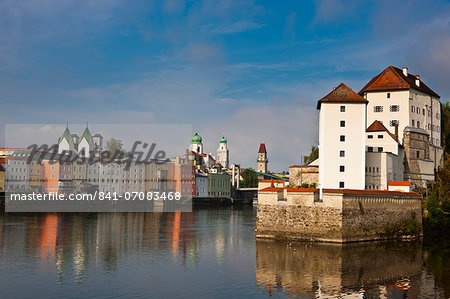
(222, 153)
(196, 144)
(262, 159)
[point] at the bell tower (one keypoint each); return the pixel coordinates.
(223, 153)
(262, 159)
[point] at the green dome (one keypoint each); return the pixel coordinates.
(223, 140)
(196, 139)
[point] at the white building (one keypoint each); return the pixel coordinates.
(223, 153)
(17, 174)
(133, 178)
(342, 126)
(196, 145)
(84, 144)
(398, 97)
(66, 142)
(93, 173)
(109, 177)
(384, 157)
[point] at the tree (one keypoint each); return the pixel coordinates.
(445, 126)
(438, 201)
(114, 146)
(250, 179)
(312, 156)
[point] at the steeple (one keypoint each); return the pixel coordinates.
(262, 161)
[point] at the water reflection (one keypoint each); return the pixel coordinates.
(210, 251)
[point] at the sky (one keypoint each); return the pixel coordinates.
(251, 71)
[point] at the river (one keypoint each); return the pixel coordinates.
(211, 252)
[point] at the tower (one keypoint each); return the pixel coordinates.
(86, 144)
(342, 126)
(262, 159)
(65, 142)
(196, 144)
(223, 153)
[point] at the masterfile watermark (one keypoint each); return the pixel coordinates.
(140, 153)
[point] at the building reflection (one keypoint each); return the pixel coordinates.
(75, 247)
(356, 271)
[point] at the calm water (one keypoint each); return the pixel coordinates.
(210, 252)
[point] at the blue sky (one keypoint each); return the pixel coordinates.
(250, 70)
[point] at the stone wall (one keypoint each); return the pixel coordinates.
(340, 216)
(303, 174)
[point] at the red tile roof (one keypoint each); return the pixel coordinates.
(392, 78)
(303, 166)
(271, 189)
(399, 183)
(262, 148)
(377, 126)
(301, 189)
(370, 192)
(269, 181)
(346, 191)
(342, 94)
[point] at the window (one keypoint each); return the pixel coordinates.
(418, 124)
(412, 122)
(380, 136)
(341, 153)
(342, 138)
(394, 108)
(394, 122)
(388, 95)
(341, 168)
(380, 149)
(341, 184)
(377, 108)
(370, 149)
(417, 154)
(413, 109)
(370, 136)
(423, 111)
(342, 124)
(342, 108)
(437, 115)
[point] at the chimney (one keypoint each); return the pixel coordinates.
(405, 71)
(417, 80)
(396, 131)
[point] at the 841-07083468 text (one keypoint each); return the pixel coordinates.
(101, 196)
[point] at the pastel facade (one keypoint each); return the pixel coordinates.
(219, 185)
(201, 185)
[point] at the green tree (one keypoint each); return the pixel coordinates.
(438, 201)
(250, 179)
(445, 126)
(312, 156)
(114, 146)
